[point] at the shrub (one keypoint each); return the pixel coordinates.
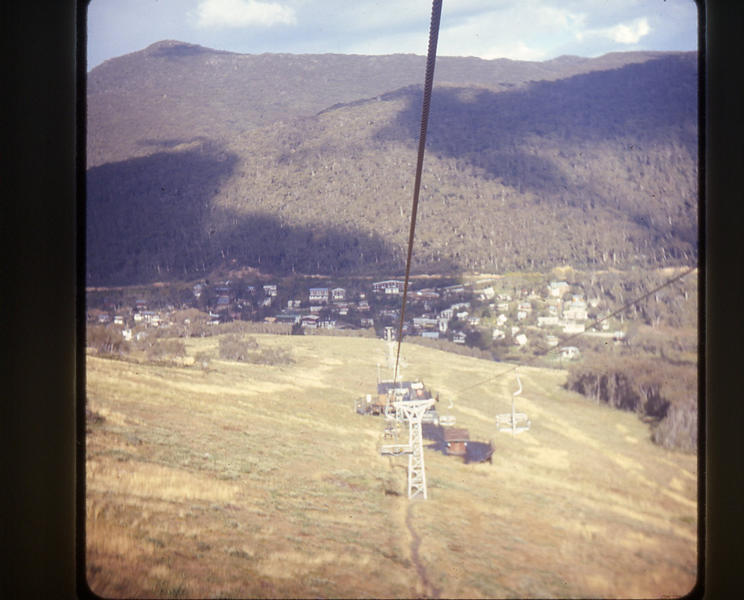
(202, 359)
(106, 340)
(166, 348)
(679, 429)
(271, 356)
(235, 347)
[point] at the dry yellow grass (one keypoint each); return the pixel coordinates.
(261, 481)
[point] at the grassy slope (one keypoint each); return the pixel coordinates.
(255, 481)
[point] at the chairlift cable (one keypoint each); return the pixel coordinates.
(436, 12)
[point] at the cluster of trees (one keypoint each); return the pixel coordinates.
(109, 341)
(660, 392)
(246, 349)
(106, 340)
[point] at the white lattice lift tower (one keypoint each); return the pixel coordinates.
(412, 412)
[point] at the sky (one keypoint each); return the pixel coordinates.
(515, 29)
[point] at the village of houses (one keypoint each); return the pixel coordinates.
(538, 318)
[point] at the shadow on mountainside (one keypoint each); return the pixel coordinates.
(154, 218)
(504, 133)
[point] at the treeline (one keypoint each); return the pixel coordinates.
(661, 393)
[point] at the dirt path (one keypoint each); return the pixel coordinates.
(430, 591)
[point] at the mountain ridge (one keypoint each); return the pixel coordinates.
(519, 173)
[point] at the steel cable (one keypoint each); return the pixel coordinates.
(436, 12)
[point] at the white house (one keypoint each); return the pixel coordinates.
(575, 311)
(501, 320)
(338, 294)
(309, 321)
(520, 339)
(486, 293)
(447, 313)
(389, 286)
(571, 326)
(425, 323)
(570, 352)
(497, 334)
(459, 337)
(270, 289)
(558, 288)
(319, 295)
(547, 321)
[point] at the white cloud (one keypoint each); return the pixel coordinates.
(630, 34)
(517, 29)
(528, 30)
(622, 33)
(514, 51)
(242, 13)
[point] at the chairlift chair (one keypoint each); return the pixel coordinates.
(448, 420)
(513, 421)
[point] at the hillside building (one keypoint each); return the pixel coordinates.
(319, 295)
(390, 286)
(455, 440)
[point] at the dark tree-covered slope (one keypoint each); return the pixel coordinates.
(529, 165)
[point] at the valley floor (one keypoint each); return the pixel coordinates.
(245, 480)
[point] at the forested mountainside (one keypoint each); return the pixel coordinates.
(200, 158)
